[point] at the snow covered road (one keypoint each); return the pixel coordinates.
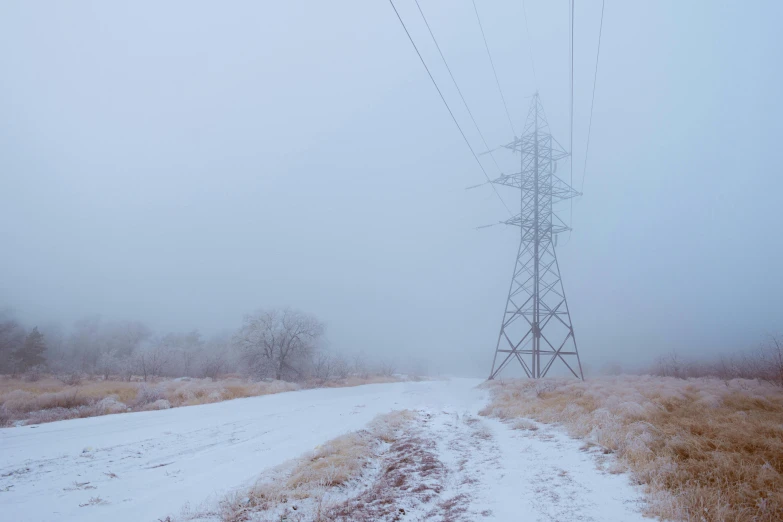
(144, 466)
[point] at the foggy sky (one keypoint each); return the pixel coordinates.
(185, 163)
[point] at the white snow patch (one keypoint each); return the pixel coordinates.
(147, 465)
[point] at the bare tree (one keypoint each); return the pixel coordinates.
(213, 364)
(359, 367)
(773, 359)
(340, 366)
(669, 365)
(387, 368)
(123, 337)
(323, 365)
(107, 364)
(151, 362)
(92, 337)
(12, 336)
(276, 342)
(611, 368)
(127, 368)
(185, 350)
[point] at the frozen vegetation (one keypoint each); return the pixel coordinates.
(704, 449)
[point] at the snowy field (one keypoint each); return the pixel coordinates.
(145, 466)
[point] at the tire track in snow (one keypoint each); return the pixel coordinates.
(453, 466)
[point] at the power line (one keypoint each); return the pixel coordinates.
(457, 87)
(571, 145)
(447, 105)
(530, 45)
(592, 102)
(503, 98)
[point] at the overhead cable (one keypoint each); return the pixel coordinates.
(592, 102)
(530, 46)
(447, 106)
(435, 41)
(492, 63)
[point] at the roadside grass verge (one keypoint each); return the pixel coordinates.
(296, 490)
(50, 399)
(704, 449)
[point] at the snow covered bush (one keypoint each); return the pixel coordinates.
(109, 405)
(160, 404)
(147, 395)
(705, 449)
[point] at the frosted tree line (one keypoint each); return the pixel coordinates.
(283, 344)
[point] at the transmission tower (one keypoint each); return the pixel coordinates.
(536, 330)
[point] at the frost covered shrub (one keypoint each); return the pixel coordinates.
(51, 415)
(160, 404)
(524, 424)
(147, 395)
(276, 387)
(705, 449)
(109, 405)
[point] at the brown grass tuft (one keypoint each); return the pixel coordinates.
(332, 464)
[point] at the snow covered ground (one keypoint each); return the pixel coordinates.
(144, 466)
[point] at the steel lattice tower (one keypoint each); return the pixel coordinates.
(536, 330)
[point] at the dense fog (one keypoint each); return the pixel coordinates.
(168, 168)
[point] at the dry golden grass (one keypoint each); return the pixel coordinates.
(351, 381)
(337, 461)
(203, 391)
(49, 399)
(705, 449)
(94, 389)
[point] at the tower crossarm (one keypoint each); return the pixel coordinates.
(562, 190)
(526, 143)
(525, 221)
(559, 189)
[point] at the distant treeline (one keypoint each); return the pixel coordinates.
(764, 362)
(282, 344)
